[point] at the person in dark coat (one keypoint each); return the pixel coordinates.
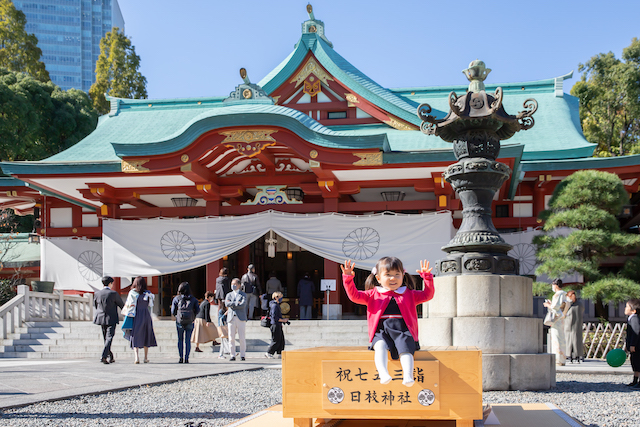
(306, 289)
(223, 286)
(106, 302)
(204, 330)
(573, 328)
(277, 335)
(184, 300)
(633, 338)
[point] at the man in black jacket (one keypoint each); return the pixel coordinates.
(633, 338)
(106, 302)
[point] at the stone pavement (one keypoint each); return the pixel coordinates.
(595, 366)
(25, 381)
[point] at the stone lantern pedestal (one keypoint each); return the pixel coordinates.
(479, 298)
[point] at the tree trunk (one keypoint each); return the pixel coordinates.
(602, 312)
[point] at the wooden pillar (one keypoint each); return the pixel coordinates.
(76, 216)
(244, 259)
(291, 285)
(538, 199)
(212, 208)
(212, 272)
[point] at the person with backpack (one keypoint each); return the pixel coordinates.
(184, 307)
(252, 289)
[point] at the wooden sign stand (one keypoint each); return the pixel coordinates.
(341, 383)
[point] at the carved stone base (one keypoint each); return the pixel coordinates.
(477, 263)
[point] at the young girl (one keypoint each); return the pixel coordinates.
(391, 302)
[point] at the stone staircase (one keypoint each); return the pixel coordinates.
(83, 339)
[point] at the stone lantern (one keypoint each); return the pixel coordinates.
(480, 300)
(476, 124)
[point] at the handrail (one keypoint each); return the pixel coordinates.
(11, 315)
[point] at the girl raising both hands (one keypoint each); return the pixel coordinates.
(391, 301)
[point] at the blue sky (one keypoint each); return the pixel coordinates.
(194, 48)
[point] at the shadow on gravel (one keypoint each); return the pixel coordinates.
(586, 387)
(185, 416)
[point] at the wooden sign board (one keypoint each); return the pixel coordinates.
(355, 385)
(309, 374)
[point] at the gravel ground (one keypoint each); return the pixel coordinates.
(595, 400)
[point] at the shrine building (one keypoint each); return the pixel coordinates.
(314, 136)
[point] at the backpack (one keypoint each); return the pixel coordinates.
(184, 314)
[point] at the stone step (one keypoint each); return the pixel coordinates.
(69, 339)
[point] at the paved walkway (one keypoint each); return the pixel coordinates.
(25, 381)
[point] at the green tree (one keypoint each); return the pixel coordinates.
(588, 202)
(609, 96)
(19, 50)
(37, 119)
(117, 72)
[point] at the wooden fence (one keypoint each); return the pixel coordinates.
(599, 338)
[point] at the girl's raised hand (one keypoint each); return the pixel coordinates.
(348, 267)
(424, 267)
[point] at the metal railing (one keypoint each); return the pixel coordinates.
(30, 306)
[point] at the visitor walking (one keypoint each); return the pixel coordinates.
(236, 303)
(138, 305)
(251, 288)
(306, 290)
(277, 334)
(573, 328)
(106, 302)
(204, 330)
(185, 308)
(558, 306)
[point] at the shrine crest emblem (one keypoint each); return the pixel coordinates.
(311, 87)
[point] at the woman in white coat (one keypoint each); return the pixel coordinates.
(558, 307)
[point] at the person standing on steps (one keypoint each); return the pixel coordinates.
(236, 303)
(106, 302)
(306, 289)
(138, 303)
(185, 308)
(251, 288)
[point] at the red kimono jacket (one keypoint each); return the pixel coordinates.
(377, 302)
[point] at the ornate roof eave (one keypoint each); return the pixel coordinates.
(255, 115)
(582, 163)
(43, 167)
(396, 104)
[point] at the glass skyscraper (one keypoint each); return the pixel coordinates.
(69, 33)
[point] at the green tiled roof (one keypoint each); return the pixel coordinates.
(344, 71)
(19, 250)
(152, 127)
(557, 133)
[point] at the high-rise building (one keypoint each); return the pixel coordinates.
(69, 33)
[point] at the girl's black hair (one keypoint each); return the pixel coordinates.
(389, 263)
(184, 289)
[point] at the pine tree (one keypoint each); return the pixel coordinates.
(117, 72)
(19, 50)
(588, 202)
